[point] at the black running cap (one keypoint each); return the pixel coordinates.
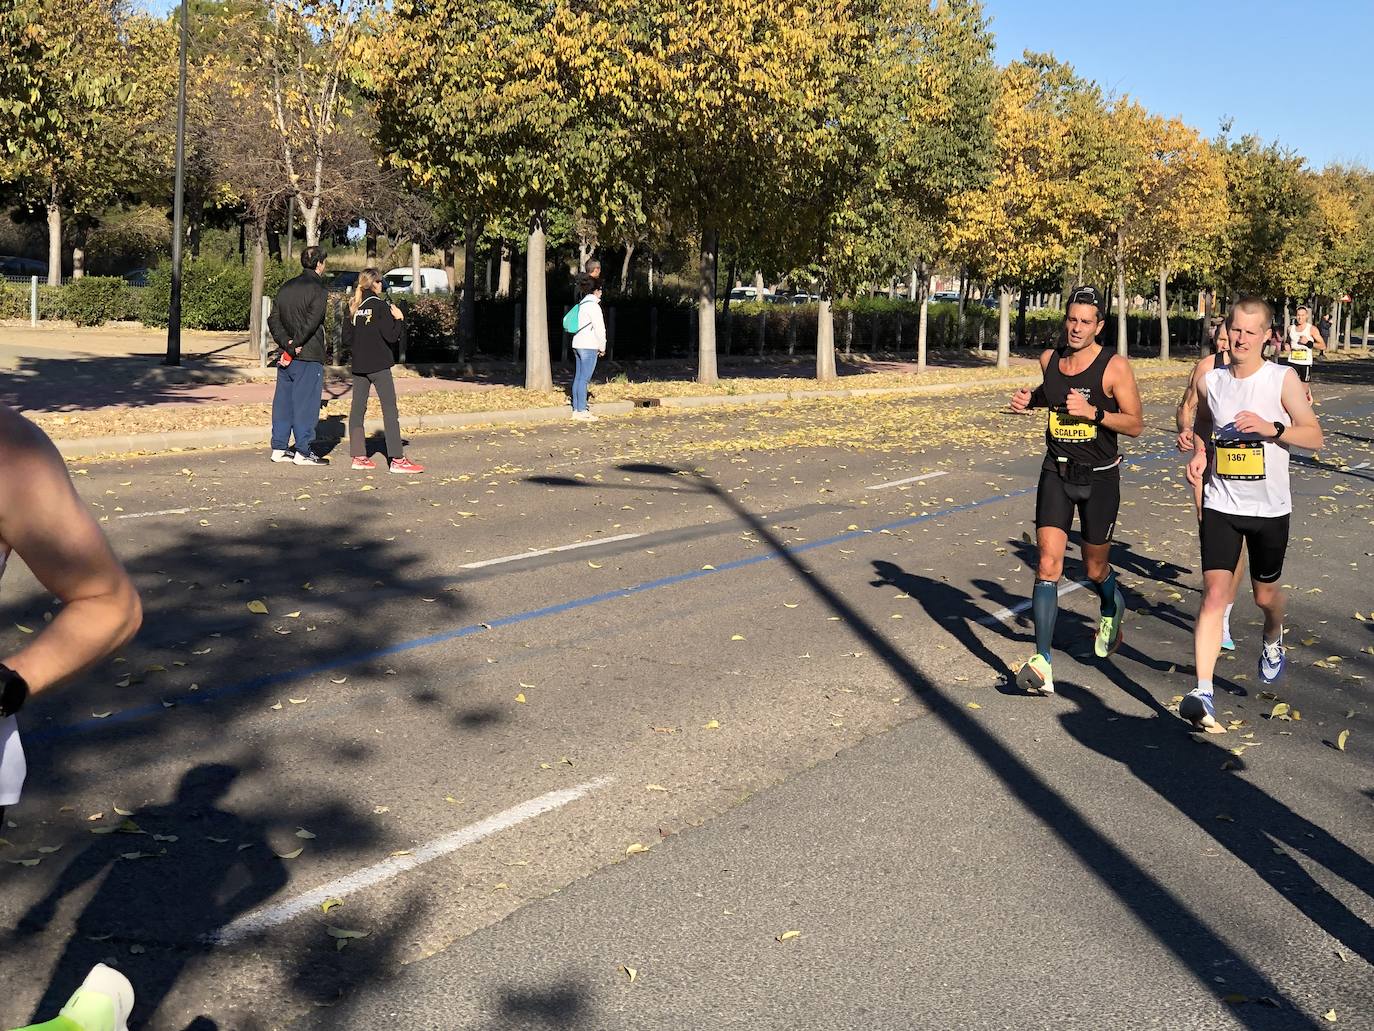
(1086, 295)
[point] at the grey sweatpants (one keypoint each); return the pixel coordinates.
(391, 420)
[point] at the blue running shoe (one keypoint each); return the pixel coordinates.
(1273, 657)
(1197, 709)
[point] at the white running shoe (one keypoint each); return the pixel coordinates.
(286, 455)
(309, 458)
(103, 1001)
(1273, 657)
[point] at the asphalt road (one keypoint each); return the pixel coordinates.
(761, 690)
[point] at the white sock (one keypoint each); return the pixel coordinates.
(1226, 620)
(1204, 687)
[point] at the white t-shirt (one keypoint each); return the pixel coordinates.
(12, 765)
(1300, 345)
(1247, 474)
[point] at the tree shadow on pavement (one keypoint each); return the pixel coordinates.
(170, 877)
(1168, 917)
(1202, 784)
(205, 676)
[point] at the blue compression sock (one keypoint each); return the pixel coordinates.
(1106, 590)
(1044, 611)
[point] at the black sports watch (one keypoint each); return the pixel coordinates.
(1098, 415)
(14, 691)
(1278, 430)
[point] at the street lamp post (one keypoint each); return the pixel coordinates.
(173, 356)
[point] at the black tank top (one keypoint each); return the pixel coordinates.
(1079, 440)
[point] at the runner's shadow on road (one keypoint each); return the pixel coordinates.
(951, 609)
(1200, 780)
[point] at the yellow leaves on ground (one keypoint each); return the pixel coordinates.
(787, 936)
(257, 607)
(636, 849)
(1341, 739)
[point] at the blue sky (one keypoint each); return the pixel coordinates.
(1297, 73)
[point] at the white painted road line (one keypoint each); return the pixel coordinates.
(1002, 615)
(909, 479)
(159, 512)
(1362, 465)
(550, 551)
(271, 916)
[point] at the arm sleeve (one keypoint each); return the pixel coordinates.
(598, 327)
(387, 324)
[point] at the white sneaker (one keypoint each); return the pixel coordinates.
(282, 456)
(307, 458)
(584, 417)
(103, 1001)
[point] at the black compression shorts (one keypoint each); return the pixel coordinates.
(1304, 372)
(1265, 538)
(1096, 514)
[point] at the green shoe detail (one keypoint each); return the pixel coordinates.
(1109, 630)
(1036, 676)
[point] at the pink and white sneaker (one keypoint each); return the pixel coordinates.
(406, 466)
(364, 463)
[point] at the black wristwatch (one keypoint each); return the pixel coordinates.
(14, 691)
(1278, 430)
(1098, 415)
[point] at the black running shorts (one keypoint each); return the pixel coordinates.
(1304, 372)
(1265, 538)
(1096, 515)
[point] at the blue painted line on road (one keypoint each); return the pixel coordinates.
(268, 680)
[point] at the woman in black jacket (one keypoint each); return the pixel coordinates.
(373, 326)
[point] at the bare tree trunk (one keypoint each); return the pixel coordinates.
(538, 375)
(1335, 330)
(450, 266)
(911, 293)
(310, 222)
(290, 228)
(652, 259)
(370, 245)
(417, 286)
(1349, 317)
(503, 276)
(825, 340)
(625, 266)
(1122, 346)
(54, 240)
(706, 308)
(79, 250)
(963, 292)
(1163, 311)
(1004, 328)
(921, 331)
(259, 276)
(1364, 337)
(467, 305)
(759, 288)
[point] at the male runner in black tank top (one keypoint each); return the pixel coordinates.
(1092, 397)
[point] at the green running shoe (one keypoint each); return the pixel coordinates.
(1035, 676)
(102, 1003)
(1109, 630)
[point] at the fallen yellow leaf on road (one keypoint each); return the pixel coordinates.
(788, 936)
(630, 972)
(636, 848)
(712, 725)
(257, 607)
(1341, 739)
(291, 855)
(520, 698)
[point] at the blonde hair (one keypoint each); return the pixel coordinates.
(367, 279)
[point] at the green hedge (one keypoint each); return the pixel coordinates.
(95, 300)
(213, 295)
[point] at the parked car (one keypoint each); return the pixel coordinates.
(945, 297)
(12, 266)
(777, 299)
(743, 293)
(992, 302)
(432, 281)
(806, 299)
(348, 280)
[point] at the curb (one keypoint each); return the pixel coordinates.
(87, 447)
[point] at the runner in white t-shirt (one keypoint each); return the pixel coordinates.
(1300, 345)
(1249, 414)
(45, 523)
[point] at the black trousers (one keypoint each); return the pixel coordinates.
(391, 420)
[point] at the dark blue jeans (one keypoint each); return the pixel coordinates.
(586, 365)
(296, 404)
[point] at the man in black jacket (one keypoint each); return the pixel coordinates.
(297, 325)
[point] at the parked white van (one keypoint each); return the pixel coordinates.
(432, 280)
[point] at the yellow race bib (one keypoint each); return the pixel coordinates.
(1240, 459)
(1067, 427)
(1300, 356)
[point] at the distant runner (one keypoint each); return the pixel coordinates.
(1092, 397)
(1303, 340)
(1249, 414)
